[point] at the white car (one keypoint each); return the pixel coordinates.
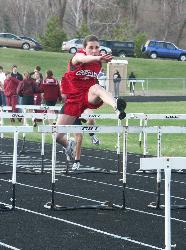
(73, 45)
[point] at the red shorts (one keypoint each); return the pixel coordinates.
(76, 104)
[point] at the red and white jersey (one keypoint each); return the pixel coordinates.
(80, 77)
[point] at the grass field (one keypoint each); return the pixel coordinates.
(144, 68)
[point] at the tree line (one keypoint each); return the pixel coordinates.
(136, 20)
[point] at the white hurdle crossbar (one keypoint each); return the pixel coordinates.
(74, 129)
(167, 164)
(39, 107)
(15, 130)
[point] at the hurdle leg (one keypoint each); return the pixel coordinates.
(167, 209)
(13, 199)
(124, 166)
(118, 150)
(42, 152)
(140, 134)
(51, 205)
(157, 205)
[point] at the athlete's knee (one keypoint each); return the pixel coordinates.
(59, 138)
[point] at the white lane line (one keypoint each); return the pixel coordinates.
(90, 228)
(115, 185)
(8, 246)
(97, 201)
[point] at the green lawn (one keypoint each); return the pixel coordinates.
(143, 68)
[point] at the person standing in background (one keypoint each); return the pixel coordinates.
(19, 77)
(2, 79)
(132, 79)
(116, 80)
(102, 78)
(37, 69)
(38, 80)
(10, 91)
(51, 91)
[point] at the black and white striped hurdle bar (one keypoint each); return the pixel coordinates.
(15, 130)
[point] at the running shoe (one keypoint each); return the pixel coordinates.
(70, 150)
(121, 106)
(95, 140)
(76, 165)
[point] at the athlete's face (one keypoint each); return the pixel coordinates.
(92, 48)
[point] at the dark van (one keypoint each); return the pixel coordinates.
(119, 48)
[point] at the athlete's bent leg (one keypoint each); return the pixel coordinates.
(96, 92)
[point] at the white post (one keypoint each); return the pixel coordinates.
(167, 208)
(145, 139)
(118, 139)
(53, 156)
(14, 158)
(140, 134)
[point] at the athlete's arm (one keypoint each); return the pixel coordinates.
(81, 58)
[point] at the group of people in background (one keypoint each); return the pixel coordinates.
(29, 88)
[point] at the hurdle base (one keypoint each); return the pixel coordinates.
(79, 171)
(146, 171)
(154, 205)
(6, 208)
(104, 206)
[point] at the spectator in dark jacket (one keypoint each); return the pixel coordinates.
(16, 74)
(10, 90)
(26, 89)
(51, 89)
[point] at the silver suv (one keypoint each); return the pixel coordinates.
(73, 45)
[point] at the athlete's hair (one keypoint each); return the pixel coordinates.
(90, 38)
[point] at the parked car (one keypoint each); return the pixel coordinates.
(154, 49)
(73, 45)
(13, 41)
(119, 48)
(38, 46)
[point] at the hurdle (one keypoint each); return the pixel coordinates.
(76, 129)
(25, 116)
(138, 116)
(15, 130)
(144, 118)
(159, 130)
(167, 164)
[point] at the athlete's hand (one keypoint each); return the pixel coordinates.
(106, 58)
